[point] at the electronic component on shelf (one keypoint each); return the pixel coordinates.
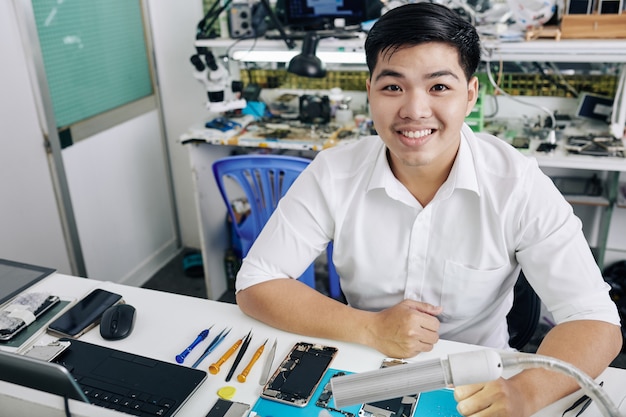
(595, 146)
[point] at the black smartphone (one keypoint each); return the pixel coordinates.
(299, 374)
(85, 314)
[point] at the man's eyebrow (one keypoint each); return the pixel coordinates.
(442, 73)
(389, 73)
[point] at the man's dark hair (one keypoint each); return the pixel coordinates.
(416, 23)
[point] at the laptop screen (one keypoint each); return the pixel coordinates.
(39, 375)
(106, 377)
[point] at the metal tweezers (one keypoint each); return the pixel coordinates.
(216, 341)
(585, 400)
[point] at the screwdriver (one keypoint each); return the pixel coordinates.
(242, 376)
(203, 335)
(215, 367)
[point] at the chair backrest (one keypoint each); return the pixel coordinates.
(523, 318)
(264, 179)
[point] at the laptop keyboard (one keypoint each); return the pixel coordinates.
(136, 403)
(129, 383)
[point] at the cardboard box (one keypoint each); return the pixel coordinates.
(594, 26)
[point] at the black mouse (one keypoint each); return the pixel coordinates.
(117, 322)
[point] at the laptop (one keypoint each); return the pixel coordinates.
(110, 378)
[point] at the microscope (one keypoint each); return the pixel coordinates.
(223, 94)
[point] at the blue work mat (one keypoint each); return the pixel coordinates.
(439, 403)
(269, 408)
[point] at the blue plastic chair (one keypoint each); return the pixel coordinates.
(264, 179)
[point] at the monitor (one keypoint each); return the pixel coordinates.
(321, 14)
(593, 106)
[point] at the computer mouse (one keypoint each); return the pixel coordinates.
(117, 322)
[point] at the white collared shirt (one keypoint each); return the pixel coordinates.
(496, 212)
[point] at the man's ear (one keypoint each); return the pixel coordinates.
(472, 94)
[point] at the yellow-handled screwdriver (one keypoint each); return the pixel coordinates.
(215, 367)
(243, 375)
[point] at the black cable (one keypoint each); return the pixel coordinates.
(66, 402)
(203, 25)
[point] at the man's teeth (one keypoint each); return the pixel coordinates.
(417, 134)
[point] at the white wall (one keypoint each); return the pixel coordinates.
(183, 98)
(117, 179)
(122, 205)
(30, 227)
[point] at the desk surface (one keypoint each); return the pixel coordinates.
(167, 323)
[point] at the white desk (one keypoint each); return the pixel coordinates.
(167, 323)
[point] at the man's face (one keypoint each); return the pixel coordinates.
(419, 98)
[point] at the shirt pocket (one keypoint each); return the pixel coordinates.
(467, 292)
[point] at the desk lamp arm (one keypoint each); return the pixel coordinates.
(458, 369)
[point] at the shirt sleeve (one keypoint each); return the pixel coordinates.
(556, 258)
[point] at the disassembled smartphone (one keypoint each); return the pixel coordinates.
(85, 314)
(395, 407)
(323, 400)
(298, 375)
(9, 333)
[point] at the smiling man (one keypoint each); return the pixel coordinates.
(431, 225)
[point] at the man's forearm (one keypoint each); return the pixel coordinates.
(587, 344)
(292, 306)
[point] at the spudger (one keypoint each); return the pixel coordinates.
(214, 343)
(242, 351)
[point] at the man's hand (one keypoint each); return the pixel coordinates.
(495, 398)
(404, 330)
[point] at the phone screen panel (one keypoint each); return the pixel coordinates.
(85, 314)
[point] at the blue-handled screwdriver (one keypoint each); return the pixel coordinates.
(203, 335)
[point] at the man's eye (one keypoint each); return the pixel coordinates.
(392, 88)
(439, 87)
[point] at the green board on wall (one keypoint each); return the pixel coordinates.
(94, 54)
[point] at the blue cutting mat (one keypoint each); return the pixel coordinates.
(439, 403)
(269, 408)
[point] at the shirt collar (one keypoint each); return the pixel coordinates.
(462, 175)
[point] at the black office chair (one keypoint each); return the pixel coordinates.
(523, 318)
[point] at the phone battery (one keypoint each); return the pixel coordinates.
(225, 408)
